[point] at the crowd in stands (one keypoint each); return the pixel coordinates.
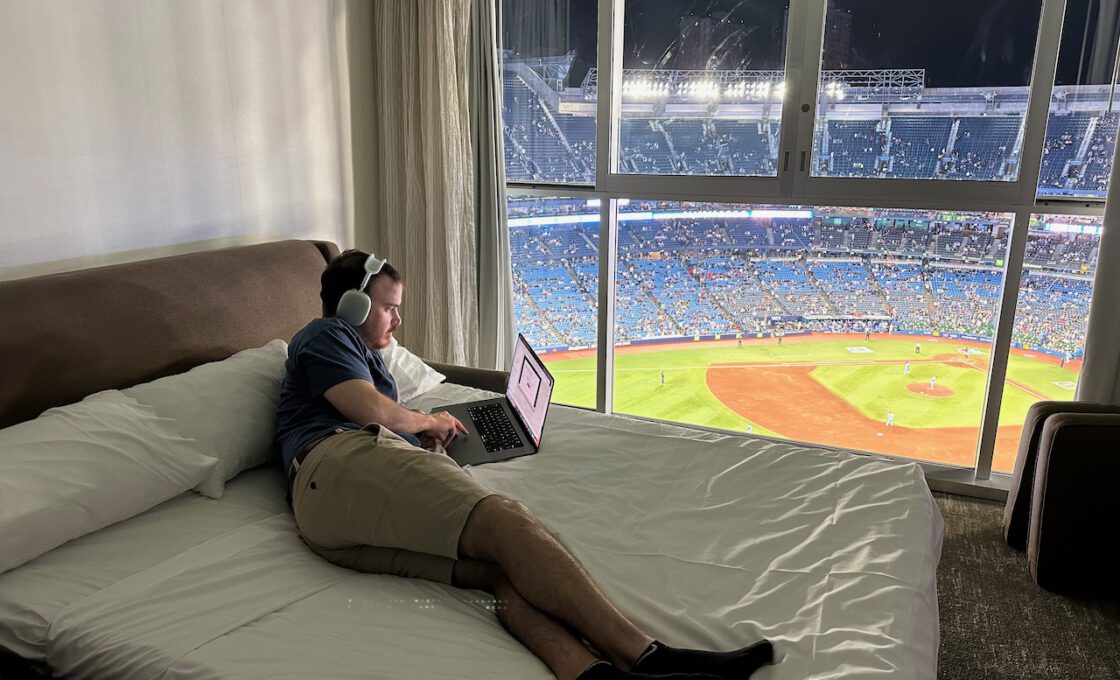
(681, 278)
(1067, 253)
(1053, 310)
(1097, 165)
(543, 144)
(686, 277)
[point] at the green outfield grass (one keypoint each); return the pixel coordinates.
(1041, 377)
(871, 388)
(683, 398)
(874, 390)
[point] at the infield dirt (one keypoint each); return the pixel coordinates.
(788, 401)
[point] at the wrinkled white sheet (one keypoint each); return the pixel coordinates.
(704, 540)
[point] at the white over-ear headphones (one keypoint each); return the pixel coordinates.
(354, 305)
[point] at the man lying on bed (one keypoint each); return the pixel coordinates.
(367, 498)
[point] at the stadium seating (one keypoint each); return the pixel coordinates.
(907, 293)
(647, 147)
(964, 299)
(1064, 134)
(734, 284)
(846, 284)
(854, 149)
(638, 314)
(1053, 310)
(917, 146)
(707, 276)
(1093, 179)
(545, 144)
(704, 277)
(580, 133)
(750, 148)
(982, 148)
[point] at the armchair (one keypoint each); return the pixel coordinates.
(1062, 508)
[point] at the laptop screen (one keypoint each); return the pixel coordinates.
(529, 389)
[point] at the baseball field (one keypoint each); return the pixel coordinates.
(834, 389)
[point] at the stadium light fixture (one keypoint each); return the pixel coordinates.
(703, 90)
(643, 88)
(834, 90)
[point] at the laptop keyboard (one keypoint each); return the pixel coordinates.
(494, 427)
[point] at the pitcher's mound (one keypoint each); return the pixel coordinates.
(924, 389)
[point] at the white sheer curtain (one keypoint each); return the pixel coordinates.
(422, 216)
(132, 129)
(1100, 373)
(495, 272)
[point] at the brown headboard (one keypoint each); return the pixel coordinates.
(68, 335)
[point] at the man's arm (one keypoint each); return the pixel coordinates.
(360, 402)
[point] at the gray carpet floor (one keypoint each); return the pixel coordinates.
(997, 624)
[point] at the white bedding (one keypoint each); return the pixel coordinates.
(704, 540)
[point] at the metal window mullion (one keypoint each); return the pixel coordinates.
(808, 16)
(555, 191)
(1041, 93)
(608, 104)
(1068, 208)
(608, 265)
(1001, 344)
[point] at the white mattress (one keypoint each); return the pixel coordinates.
(704, 540)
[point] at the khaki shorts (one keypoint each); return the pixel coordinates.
(375, 503)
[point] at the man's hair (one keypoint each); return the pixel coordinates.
(345, 272)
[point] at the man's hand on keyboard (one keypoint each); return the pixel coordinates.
(443, 428)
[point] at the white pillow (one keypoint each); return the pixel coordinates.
(413, 376)
(228, 407)
(82, 467)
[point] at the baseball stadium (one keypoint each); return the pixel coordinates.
(868, 329)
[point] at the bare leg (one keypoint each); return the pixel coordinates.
(549, 577)
(566, 656)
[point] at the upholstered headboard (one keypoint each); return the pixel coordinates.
(68, 335)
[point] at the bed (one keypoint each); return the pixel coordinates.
(704, 539)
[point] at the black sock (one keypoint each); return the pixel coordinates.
(739, 664)
(604, 670)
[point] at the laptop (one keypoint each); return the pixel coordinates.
(510, 426)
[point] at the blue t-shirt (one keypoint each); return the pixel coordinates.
(326, 352)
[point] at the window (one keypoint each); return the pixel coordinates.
(1081, 131)
(946, 102)
(810, 203)
(1050, 321)
(554, 244)
(702, 88)
(548, 91)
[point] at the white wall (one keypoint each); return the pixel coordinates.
(137, 127)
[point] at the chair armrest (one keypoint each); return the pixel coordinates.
(1072, 546)
(481, 378)
(1017, 512)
